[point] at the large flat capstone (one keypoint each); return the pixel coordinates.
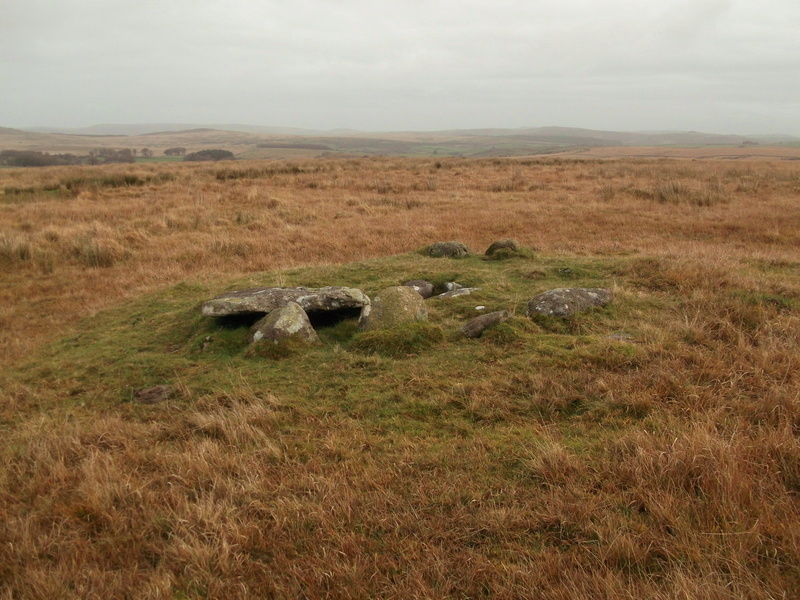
(265, 300)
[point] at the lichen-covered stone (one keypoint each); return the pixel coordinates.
(289, 321)
(451, 249)
(562, 302)
(265, 300)
(423, 288)
(391, 307)
(507, 244)
(476, 327)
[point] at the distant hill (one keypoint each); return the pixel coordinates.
(263, 142)
(542, 135)
(591, 137)
(774, 139)
(154, 128)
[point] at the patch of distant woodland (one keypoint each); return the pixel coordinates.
(31, 158)
(209, 155)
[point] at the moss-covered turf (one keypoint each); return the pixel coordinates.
(163, 338)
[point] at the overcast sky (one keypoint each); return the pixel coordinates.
(722, 66)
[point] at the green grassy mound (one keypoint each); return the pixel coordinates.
(163, 338)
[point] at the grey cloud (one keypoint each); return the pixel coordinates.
(413, 65)
(690, 19)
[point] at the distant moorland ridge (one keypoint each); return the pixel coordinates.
(254, 142)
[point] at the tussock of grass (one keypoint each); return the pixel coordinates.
(678, 192)
(277, 350)
(15, 250)
(514, 332)
(99, 253)
(506, 254)
(399, 342)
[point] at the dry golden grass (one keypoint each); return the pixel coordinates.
(678, 478)
(66, 254)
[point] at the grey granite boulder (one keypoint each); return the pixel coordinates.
(265, 300)
(508, 244)
(447, 250)
(391, 307)
(423, 288)
(566, 301)
(289, 321)
(476, 327)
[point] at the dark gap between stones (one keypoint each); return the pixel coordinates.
(318, 318)
(329, 318)
(240, 320)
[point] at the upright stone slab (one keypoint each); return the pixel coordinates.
(289, 321)
(391, 307)
(562, 302)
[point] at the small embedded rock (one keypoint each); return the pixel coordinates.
(451, 249)
(562, 302)
(289, 321)
(152, 395)
(508, 244)
(462, 291)
(621, 337)
(535, 274)
(423, 288)
(391, 307)
(476, 327)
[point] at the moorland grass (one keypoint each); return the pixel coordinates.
(646, 449)
(545, 459)
(77, 239)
